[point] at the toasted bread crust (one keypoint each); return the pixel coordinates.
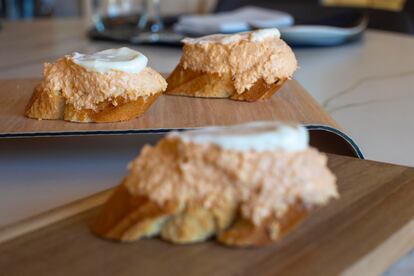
(43, 105)
(52, 106)
(187, 82)
(127, 217)
(107, 112)
(196, 223)
(243, 233)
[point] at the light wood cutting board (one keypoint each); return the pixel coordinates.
(362, 233)
(291, 103)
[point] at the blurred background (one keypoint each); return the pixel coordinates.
(390, 15)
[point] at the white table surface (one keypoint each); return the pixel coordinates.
(367, 87)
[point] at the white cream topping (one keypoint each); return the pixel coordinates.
(263, 34)
(121, 59)
(255, 36)
(256, 136)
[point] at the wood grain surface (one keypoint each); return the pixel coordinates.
(362, 233)
(291, 103)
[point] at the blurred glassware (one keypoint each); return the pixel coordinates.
(151, 19)
(145, 13)
(14, 10)
(105, 12)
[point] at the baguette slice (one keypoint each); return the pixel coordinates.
(187, 82)
(243, 233)
(127, 218)
(52, 106)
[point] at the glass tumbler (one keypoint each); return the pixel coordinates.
(146, 13)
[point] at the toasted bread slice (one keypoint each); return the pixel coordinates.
(128, 218)
(187, 82)
(43, 105)
(243, 233)
(52, 106)
(197, 223)
(107, 112)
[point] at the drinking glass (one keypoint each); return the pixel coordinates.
(151, 20)
(146, 14)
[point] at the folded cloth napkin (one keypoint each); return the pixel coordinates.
(242, 19)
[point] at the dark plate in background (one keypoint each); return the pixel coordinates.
(329, 30)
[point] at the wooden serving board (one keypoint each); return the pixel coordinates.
(291, 103)
(362, 233)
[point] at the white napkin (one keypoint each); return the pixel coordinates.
(242, 19)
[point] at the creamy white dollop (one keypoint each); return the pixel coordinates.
(255, 36)
(256, 136)
(263, 34)
(122, 59)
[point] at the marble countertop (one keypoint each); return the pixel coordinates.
(366, 86)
